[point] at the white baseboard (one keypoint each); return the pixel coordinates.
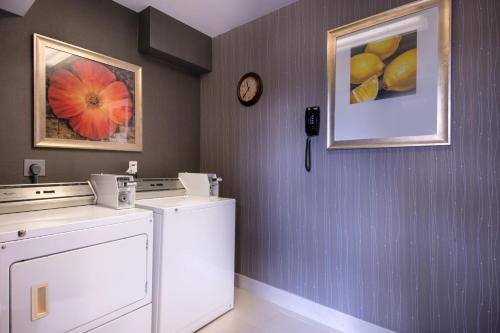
(306, 308)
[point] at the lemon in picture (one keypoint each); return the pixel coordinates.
(384, 48)
(364, 66)
(365, 92)
(401, 73)
(353, 99)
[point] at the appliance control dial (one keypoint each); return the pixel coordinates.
(122, 197)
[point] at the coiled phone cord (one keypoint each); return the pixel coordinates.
(308, 154)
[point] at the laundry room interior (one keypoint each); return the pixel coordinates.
(249, 166)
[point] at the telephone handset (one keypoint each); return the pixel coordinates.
(312, 129)
(312, 121)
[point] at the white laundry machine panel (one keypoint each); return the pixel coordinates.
(75, 270)
(134, 322)
(193, 280)
(94, 280)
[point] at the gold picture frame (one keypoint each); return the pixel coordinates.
(68, 114)
(442, 120)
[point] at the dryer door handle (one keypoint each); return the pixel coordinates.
(39, 301)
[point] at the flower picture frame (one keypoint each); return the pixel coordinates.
(389, 79)
(85, 100)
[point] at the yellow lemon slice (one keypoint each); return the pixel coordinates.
(365, 92)
(401, 73)
(384, 48)
(353, 99)
(364, 66)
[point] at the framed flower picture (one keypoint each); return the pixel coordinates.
(388, 79)
(85, 100)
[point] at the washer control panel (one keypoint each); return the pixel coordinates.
(114, 191)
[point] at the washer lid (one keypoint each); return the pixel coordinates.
(165, 205)
(24, 225)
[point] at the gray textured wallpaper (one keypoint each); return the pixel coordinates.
(405, 238)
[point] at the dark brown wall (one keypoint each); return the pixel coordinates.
(406, 238)
(164, 37)
(171, 97)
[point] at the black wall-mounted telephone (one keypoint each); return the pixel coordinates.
(312, 129)
(312, 121)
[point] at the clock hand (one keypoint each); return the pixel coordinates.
(246, 92)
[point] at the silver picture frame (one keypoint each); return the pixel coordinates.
(40, 44)
(443, 133)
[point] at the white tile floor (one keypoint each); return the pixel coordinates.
(255, 315)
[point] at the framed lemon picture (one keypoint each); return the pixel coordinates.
(388, 79)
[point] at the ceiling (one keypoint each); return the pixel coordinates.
(18, 7)
(212, 17)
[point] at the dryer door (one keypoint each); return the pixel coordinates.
(61, 292)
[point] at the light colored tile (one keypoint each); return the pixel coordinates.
(252, 309)
(287, 322)
(229, 323)
(255, 315)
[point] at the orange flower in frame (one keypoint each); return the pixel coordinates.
(91, 98)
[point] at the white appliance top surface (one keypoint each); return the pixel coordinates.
(162, 205)
(51, 221)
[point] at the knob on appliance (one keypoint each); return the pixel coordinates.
(122, 197)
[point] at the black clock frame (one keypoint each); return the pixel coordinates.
(260, 88)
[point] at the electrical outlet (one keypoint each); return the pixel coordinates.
(28, 163)
(132, 167)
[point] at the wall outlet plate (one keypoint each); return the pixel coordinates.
(132, 167)
(28, 163)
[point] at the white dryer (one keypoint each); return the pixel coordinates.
(72, 269)
(193, 276)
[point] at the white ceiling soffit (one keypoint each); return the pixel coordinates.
(18, 7)
(212, 17)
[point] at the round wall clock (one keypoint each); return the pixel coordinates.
(249, 89)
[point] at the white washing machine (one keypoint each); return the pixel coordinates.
(72, 269)
(193, 278)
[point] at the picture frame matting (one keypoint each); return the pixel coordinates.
(442, 135)
(40, 45)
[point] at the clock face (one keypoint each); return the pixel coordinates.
(249, 89)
